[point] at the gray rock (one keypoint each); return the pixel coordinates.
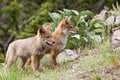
(101, 15)
(115, 39)
(112, 20)
(110, 17)
(66, 55)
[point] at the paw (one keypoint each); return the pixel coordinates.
(37, 73)
(55, 66)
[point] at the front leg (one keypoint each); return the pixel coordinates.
(35, 63)
(53, 59)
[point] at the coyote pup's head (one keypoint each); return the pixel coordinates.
(46, 36)
(68, 27)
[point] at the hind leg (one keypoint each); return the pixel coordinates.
(23, 61)
(28, 62)
(11, 59)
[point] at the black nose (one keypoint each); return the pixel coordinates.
(53, 42)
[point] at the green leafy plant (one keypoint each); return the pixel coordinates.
(90, 31)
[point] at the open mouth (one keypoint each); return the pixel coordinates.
(73, 32)
(48, 44)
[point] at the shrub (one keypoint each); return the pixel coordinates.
(90, 31)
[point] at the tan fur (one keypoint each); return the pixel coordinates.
(33, 46)
(61, 34)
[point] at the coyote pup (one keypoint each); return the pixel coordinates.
(33, 46)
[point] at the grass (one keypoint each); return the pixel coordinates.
(47, 73)
(93, 64)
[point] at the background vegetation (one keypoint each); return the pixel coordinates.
(21, 19)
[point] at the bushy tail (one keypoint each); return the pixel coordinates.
(8, 52)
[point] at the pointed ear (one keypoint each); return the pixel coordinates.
(41, 30)
(48, 27)
(67, 19)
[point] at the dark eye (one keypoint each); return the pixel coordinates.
(47, 36)
(70, 27)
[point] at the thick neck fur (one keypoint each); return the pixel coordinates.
(58, 30)
(59, 33)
